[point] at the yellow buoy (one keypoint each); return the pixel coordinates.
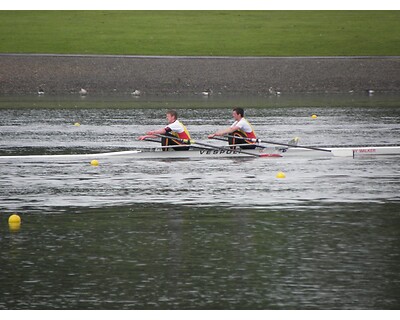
(14, 219)
(280, 175)
(314, 116)
(94, 163)
(77, 124)
(14, 227)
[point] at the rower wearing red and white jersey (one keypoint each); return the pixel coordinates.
(177, 129)
(240, 129)
(174, 129)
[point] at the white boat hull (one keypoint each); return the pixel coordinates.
(365, 151)
(273, 152)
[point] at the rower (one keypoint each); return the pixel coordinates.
(240, 129)
(174, 129)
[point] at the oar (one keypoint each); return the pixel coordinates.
(213, 147)
(177, 146)
(238, 145)
(152, 140)
(281, 144)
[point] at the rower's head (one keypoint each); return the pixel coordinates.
(172, 115)
(238, 113)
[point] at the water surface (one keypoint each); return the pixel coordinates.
(199, 234)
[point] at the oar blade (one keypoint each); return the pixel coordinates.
(270, 155)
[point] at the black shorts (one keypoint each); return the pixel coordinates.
(237, 139)
(165, 141)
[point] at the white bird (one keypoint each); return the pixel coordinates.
(272, 91)
(207, 92)
(370, 92)
(82, 92)
(40, 91)
(136, 93)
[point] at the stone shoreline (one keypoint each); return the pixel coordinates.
(67, 74)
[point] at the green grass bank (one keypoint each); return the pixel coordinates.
(202, 33)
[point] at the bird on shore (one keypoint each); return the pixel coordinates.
(207, 92)
(83, 92)
(370, 92)
(272, 91)
(40, 91)
(136, 93)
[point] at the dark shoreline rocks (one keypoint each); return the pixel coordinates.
(165, 76)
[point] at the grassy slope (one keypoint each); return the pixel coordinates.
(215, 33)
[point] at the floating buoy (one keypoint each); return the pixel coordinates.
(94, 163)
(77, 124)
(14, 227)
(14, 218)
(14, 222)
(280, 175)
(314, 116)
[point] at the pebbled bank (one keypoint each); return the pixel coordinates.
(67, 74)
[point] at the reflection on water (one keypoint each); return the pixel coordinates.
(174, 257)
(198, 234)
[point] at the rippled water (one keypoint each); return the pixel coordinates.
(198, 233)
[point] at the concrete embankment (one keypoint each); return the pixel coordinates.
(67, 74)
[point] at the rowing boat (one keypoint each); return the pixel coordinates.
(221, 152)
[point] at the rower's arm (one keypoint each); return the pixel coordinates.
(159, 131)
(153, 133)
(224, 132)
